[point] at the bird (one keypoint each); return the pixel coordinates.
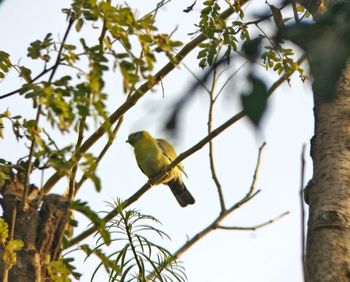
(152, 156)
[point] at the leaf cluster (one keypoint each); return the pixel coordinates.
(132, 255)
(9, 246)
(218, 32)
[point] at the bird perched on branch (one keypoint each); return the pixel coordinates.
(154, 155)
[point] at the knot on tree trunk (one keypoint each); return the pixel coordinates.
(331, 219)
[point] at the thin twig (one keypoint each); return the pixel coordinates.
(295, 11)
(216, 223)
(255, 176)
(33, 143)
(211, 149)
(302, 208)
(102, 35)
(229, 78)
(255, 227)
(13, 221)
(179, 159)
(101, 155)
(196, 78)
(29, 163)
(130, 102)
(45, 71)
(72, 182)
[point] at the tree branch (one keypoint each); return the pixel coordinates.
(44, 71)
(33, 143)
(179, 159)
(130, 102)
(224, 213)
(211, 149)
(255, 227)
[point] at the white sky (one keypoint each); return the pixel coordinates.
(269, 254)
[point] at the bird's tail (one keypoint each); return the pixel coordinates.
(182, 195)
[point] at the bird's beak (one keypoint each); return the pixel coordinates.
(127, 141)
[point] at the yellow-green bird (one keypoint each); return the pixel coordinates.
(152, 156)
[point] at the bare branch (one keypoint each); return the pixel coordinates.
(229, 78)
(216, 223)
(196, 78)
(255, 227)
(179, 159)
(255, 176)
(130, 102)
(211, 149)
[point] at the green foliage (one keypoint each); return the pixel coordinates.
(41, 49)
(83, 208)
(134, 257)
(5, 172)
(303, 12)
(120, 28)
(326, 42)
(60, 270)
(5, 64)
(9, 246)
(105, 261)
(280, 60)
(16, 122)
(89, 168)
(218, 32)
(254, 102)
(4, 231)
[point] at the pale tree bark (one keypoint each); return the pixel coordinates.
(328, 240)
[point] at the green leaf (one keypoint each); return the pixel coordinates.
(83, 208)
(326, 43)
(105, 260)
(39, 49)
(255, 102)
(15, 245)
(79, 24)
(26, 73)
(4, 231)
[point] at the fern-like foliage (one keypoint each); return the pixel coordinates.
(132, 255)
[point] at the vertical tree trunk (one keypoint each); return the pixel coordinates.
(328, 238)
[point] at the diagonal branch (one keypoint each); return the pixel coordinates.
(255, 227)
(44, 71)
(179, 159)
(131, 101)
(216, 223)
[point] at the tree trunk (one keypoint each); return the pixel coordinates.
(328, 240)
(41, 230)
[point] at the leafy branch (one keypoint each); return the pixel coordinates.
(179, 159)
(129, 103)
(134, 256)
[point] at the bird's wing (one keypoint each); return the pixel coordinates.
(169, 151)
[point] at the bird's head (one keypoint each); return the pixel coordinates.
(134, 137)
